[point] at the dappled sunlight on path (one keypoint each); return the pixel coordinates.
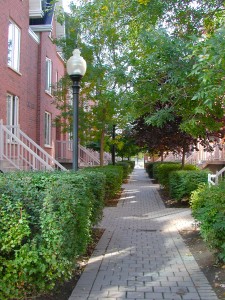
(141, 254)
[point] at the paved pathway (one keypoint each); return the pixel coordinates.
(141, 254)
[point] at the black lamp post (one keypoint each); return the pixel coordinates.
(76, 68)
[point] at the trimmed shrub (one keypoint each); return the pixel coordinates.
(127, 169)
(182, 183)
(149, 169)
(165, 169)
(97, 184)
(155, 169)
(157, 165)
(208, 207)
(132, 164)
(45, 224)
(113, 177)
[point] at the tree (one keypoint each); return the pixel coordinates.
(163, 139)
(133, 63)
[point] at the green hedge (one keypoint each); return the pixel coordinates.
(208, 207)
(45, 224)
(182, 183)
(127, 167)
(131, 163)
(164, 169)
(149, 169)
(155, 169)
(114, 179)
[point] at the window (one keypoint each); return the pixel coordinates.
(48, 128)
(14, 46)
(12, 112)
(48, 84)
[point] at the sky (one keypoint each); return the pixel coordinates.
(66, 5)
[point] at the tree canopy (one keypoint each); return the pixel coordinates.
(146, 52)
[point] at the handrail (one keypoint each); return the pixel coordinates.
(17, 148)
(16, 139)
(86, 157)
(54, 161)
(211, 179)
(90, 154)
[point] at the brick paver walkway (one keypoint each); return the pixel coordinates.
(141, 254)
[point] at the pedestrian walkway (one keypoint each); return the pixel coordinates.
(141, 254)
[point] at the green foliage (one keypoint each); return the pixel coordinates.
(134, 62)
(131, 163)
(149, 168)
(127, 168)
(208, 207)
(183, 183)
(45, 223)
(113, 177)
(97, 183)
(164, 170)
(156, 166)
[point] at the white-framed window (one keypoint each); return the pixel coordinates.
(48, 128)
(12, 113)
(48, 83)
(14, 36)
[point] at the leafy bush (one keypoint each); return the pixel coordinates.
(113, 177)
(155, 169)
(45, 223)
(156, 166)
(97, 183)
(208, 207)
(127, 168)
(182, 183)
(131, 163)
(149, 169)
(164, 169)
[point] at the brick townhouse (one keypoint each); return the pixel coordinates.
(30, 64)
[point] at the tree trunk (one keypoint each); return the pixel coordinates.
(102, 148)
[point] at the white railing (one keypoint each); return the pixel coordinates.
(213, 179)
(86, 157)
(192, 158)
(200, 157)
(19, 152)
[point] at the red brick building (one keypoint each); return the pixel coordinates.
(30, 65)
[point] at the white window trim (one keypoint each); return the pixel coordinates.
(48, 81)
(16, 41)
(48, 129)
(12, 114)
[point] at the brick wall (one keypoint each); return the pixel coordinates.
(29, 83)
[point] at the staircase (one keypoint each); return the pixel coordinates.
(86, 157)
(20, 153)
